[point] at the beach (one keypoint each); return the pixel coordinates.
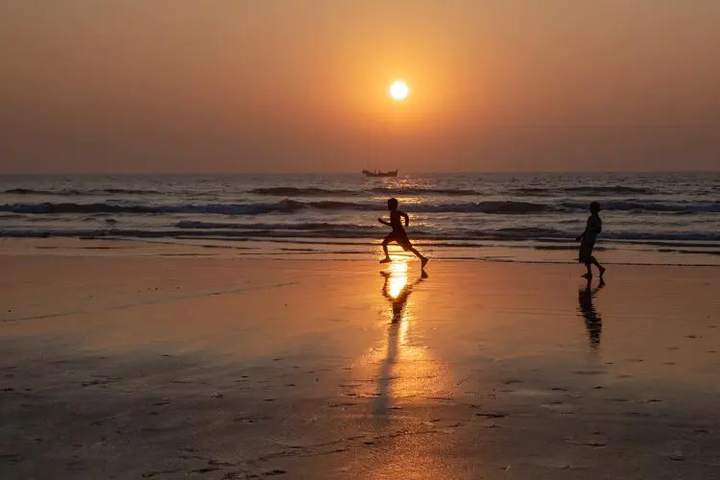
(125, 359)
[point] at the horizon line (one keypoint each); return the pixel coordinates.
(437, 172)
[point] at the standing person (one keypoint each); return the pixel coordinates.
(587, 241)
(398, 234)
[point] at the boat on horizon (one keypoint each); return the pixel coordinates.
(377, 173)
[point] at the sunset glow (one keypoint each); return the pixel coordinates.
(250, 87)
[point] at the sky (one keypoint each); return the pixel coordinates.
(187, 86)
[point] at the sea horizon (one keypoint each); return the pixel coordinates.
(359, 172)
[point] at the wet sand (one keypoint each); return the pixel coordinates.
(143, 366)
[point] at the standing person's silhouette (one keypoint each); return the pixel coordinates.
(587, 241)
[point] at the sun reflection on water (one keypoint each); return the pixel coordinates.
(401, 364)
(398, 278)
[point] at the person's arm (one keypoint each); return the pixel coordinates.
(406, 217)
(384, 222)
(581, 236)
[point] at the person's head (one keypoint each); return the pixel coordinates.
(594, 207)
(392, 204)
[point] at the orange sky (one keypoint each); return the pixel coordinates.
(300, 85)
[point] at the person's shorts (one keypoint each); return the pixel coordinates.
(585, 254)
(401, 239)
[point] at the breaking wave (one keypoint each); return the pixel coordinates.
(423, 191)
(292, 206)
(283, 206)
(71, 192)
(303, 192)
(583, 190)
(321, 232)
(325, 192)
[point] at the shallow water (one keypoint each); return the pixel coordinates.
(648, 218)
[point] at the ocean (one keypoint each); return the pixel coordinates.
(671, 218)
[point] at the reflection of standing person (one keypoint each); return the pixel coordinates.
(398, 233)
(593, 321)
(587, 241)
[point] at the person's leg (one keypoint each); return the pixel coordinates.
(422, 258)
(586, 257)
(597, 264)
(417, 254)
(385, 242)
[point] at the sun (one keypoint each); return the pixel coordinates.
(399, 90)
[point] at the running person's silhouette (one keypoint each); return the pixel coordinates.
(398, 233)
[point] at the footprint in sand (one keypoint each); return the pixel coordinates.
(560, 407)
(557, 464)
(491, 415)
(159, 472)
(272, 473)
(592, 439)
(588, 372)
(10, 457)
(250, 419)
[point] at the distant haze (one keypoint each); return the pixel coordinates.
(102, 86)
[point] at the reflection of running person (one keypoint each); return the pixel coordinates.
(398, 234)
(400, 299)
(592, 230)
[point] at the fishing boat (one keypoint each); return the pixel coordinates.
(377, 173)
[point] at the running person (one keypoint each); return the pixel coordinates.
(398, 233)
